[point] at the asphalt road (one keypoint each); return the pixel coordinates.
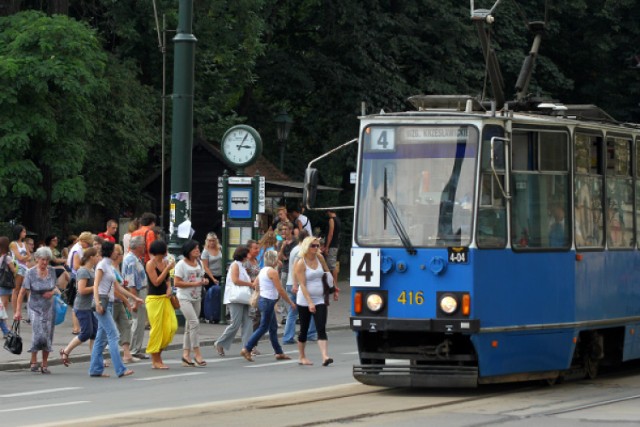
(69, 394)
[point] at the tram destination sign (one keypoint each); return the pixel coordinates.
(430, 133)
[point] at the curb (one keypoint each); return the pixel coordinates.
(16, 366)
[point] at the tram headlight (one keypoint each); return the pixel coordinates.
(448, 304)
(375, 302)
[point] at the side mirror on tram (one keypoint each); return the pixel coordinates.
(310, 188)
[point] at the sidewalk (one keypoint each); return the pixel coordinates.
(339, 313)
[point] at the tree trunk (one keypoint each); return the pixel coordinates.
(9, 7)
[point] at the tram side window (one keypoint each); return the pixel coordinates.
(619, 193)
(492, 219)
(540, 190)
(589, 213)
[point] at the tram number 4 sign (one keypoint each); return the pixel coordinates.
(458, 255)
(365, 267)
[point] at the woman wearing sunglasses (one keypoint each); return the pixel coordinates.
(309, 270)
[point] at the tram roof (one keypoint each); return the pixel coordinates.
(540, 109)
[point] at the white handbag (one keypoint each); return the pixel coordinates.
(238, 294)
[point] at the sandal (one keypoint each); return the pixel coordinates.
(34, 367)
(126, 373)
(220, 350)
(65, 358)
(187, 364)
(100, 375)
(327, 362)
(201, 363)
(282, 356)
(246, 354)
(45, 370)
(106, 364)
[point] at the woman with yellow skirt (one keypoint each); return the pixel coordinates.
(162, 316)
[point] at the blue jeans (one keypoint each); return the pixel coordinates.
(107, 332)
(290, 326)
(268, 322)
(3, 326)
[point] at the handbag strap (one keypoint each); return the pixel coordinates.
(16, 327)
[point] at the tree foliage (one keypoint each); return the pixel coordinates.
(51, 71)
(95, 95)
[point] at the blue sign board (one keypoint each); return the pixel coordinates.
(240, 200)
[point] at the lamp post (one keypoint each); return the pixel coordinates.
(283, 126)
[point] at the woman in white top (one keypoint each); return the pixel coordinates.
(270, 287)
(309, 270)
(105, 286)
(189, 279)
(21, 255)
(239, 312)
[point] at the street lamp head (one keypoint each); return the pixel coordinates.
(283, 125)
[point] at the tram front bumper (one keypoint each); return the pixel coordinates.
(378, 324)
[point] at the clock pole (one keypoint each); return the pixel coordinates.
(182, 128)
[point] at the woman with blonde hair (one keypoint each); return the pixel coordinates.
(85, 240)
(267, 243)
(20, 253)
(85, 277)
(309, 270)
(10, 268)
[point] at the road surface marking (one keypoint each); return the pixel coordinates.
(170, 376)
(280, 362)
(53, 405)
(30, 393)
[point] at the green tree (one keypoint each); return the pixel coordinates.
(51, 74)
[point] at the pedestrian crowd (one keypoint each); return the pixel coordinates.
(118, 291)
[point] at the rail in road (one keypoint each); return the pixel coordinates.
(231, 391)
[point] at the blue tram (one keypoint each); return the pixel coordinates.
(494, 246)
(494, 242)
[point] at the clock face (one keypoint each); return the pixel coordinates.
(241, 145)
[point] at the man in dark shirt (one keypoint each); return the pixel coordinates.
(332, 244)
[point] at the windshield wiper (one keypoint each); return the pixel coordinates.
(397, 224)
(390, 209)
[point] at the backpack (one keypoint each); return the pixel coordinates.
(144, 233)
(7, 279)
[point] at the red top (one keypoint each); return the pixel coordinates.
(107, 236)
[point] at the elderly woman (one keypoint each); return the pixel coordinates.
(41, 282)
(270, 288)
(239, 311)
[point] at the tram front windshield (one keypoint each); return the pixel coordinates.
(427, 174)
